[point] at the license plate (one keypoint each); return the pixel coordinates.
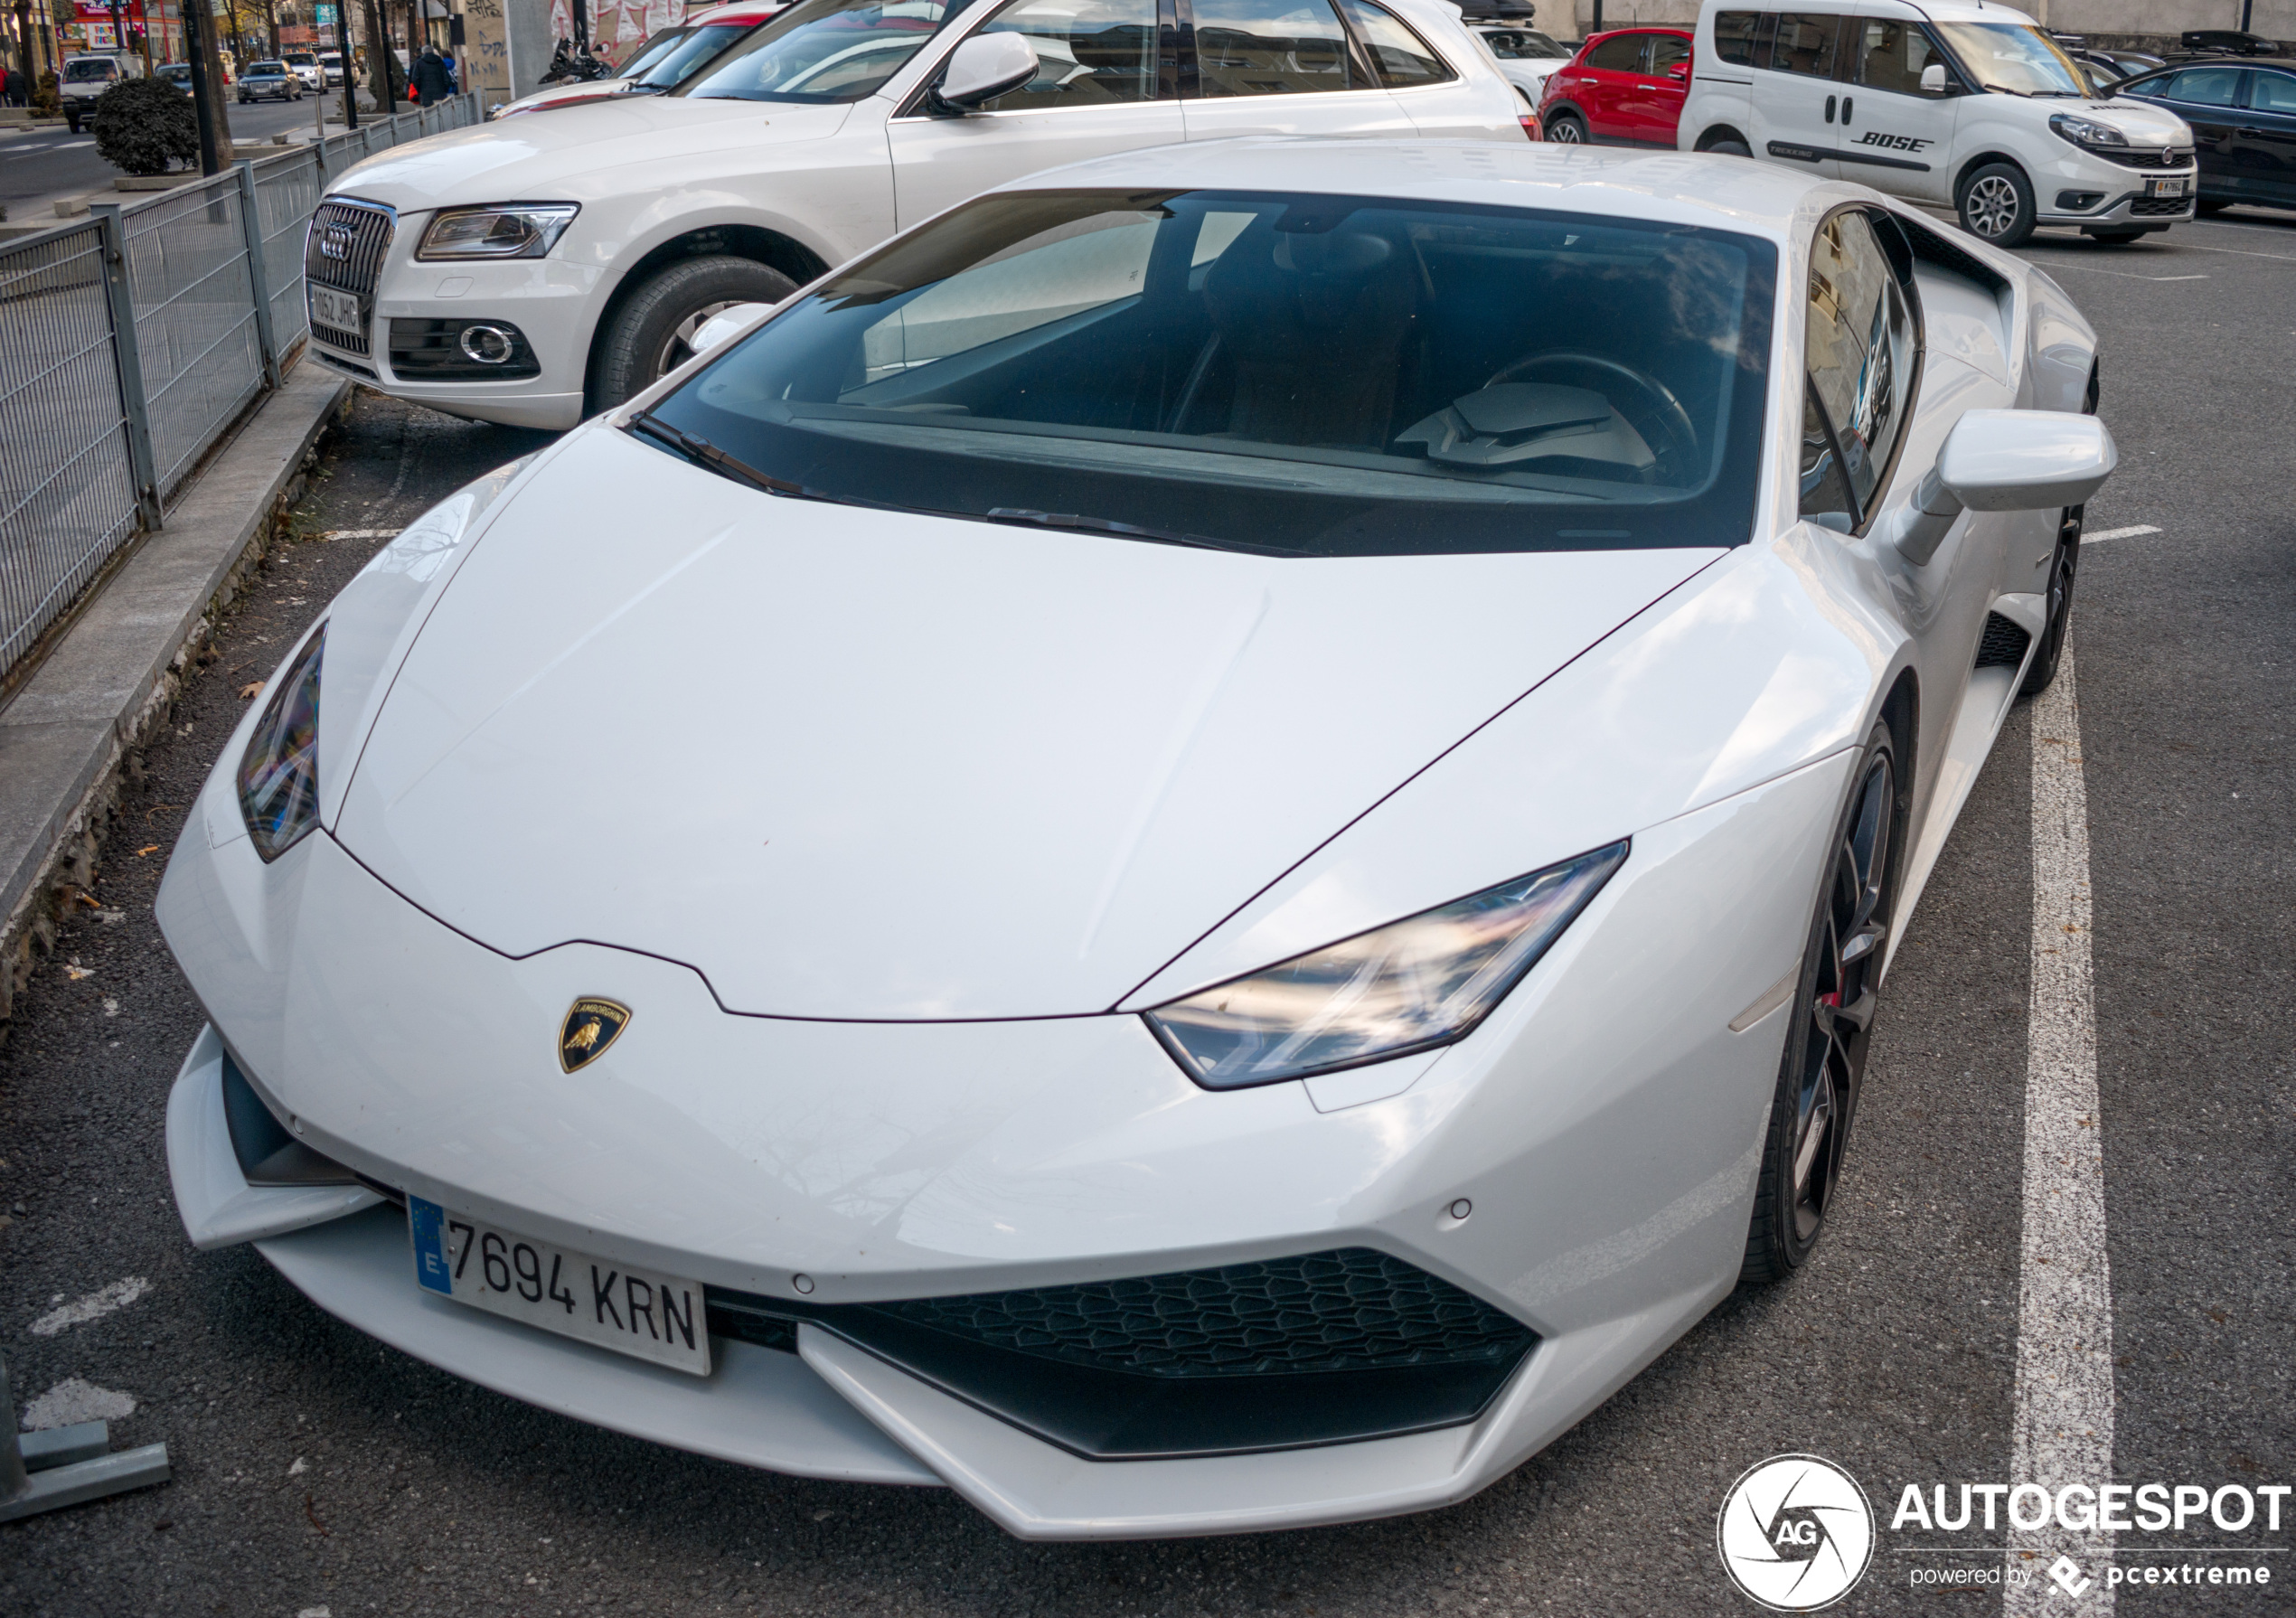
(338, 311)
(634, 1312)
(2168, 188)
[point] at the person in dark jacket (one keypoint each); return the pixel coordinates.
(430, 77)
(13, 86)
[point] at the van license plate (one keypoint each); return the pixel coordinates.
(2166, 188)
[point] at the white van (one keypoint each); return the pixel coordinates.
(1967, 105)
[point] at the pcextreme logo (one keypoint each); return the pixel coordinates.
(1795, 1533)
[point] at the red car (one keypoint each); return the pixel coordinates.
(1624, 89)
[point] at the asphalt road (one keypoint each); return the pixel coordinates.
(316, 1470)
(41, 165)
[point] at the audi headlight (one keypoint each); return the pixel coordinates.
(1407, 986)
(279, 774)
(504, 230)
(2085, 132)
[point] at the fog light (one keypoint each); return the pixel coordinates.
(488, 345)
(2078, 202)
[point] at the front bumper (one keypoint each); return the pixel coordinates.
(904, 1162)
(2121, 193)
(551, 302)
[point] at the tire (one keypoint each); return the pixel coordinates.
(1831, 1023)
(71, 120)
(1996, 204)
(644, 338)
(1569, 128)
(2211, 206)
(1731, 148)
(2063, 568)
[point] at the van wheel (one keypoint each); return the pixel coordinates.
(652, 333)
(1567, 129)
(1996, 204)
(1732, 148)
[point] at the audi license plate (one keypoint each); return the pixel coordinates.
(2175, 187)
(337, 311)
(631, 1310)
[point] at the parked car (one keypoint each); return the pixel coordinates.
(85, 78)
(2243, 115)
(1064, 1062)
(270, 81)
(331, 65)
(586, 248)
(1624, 88)
(305, 67)
(1525, 55)
(178, 74)
(662, 62)
(1951, 103)
(2105, 68)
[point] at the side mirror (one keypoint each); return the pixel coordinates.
(2006, 461)
(986, 66)
(727, 323)
(1933, 80)
(1680, 69)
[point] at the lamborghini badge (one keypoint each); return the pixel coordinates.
(590, 1028)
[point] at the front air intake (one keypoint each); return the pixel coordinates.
(1323, 1348)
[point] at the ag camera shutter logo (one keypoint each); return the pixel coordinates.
(1795, 1533)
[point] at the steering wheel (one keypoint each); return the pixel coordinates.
(1664, 424)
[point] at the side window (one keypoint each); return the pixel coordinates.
(1805, 43)
(1666, 49)
(2202, 86)
(1089, 53)
(1734, 35)
(1892, 55)
(1620, 53)
(1271, 48)
(1399, 56)
(1860, 343)
(2272, 92)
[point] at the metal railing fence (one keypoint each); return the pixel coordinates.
(98, 436)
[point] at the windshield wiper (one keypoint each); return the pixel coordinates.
(709, 456)
(1077, 523)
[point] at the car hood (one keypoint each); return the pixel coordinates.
(2145, 124)
(580, 152)
(864, 765)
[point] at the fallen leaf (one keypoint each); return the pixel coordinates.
(255, 690)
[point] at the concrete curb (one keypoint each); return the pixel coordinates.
(77, 726)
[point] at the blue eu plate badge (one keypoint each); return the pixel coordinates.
(428, 1221)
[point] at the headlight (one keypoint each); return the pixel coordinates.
(2085, 132)
(280, 776)
(1407, 986)
(510, 231)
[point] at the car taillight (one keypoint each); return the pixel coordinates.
(1531, 126)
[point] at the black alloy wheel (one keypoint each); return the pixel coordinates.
(1823, 1066)
(2063, 565)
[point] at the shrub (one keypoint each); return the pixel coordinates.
(143, 125)
(46, 100)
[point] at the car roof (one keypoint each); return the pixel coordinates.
(2286, 64)
(1672, 187)
(753, 10)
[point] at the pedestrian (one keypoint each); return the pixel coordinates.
(16, 88)
(429, 76)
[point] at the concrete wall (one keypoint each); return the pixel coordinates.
(2158, 22)
(529, 42)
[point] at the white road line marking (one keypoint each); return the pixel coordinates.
(2175, 277)
(2131, 532)
(97, 1304)
(2096, 270)
(2238, 253)
(73, 1401)
(358, 533)
(2062, 1427)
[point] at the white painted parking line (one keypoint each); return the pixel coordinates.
(2130, 532)
(2055, 265)
(97, 1304)
(2062, 1425)
(382, 533)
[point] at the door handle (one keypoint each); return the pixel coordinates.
(1829, 101)
(2251, 134)
(1846, 103)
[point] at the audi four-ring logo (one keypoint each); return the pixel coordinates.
(334, 242)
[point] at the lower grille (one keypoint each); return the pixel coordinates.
(2156, 207)
(2003, 644)
(1325, 1348)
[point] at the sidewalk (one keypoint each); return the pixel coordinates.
(75, 724)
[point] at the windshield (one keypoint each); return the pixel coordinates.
(271, 70)
(2017, 59)
(304, 61)
(1301, 374)
(1523, 44)
(687, 56)
(80, 71)
(825, 50)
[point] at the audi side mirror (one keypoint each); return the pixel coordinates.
(1933, 80)
(984, 66)
(2005, 461)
